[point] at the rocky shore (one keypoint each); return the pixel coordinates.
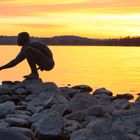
(34, 110)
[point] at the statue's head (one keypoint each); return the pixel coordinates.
(23, 38)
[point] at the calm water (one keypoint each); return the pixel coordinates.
(115, 68)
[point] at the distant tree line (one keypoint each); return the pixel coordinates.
(76, 40)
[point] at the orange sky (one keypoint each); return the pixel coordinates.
(89, 18)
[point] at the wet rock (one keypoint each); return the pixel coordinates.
(84, 134)
(6, 135)
(7, 108)
(16, 122)
(102, 91)
(83, 88)
(24, 131)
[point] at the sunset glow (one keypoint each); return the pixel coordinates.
(89, 18)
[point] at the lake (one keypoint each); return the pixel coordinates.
(115, 68)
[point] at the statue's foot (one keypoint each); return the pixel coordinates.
(31, 76)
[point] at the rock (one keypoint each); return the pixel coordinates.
(138, 131)
(20, 107)
(36, 86)
(69, 93)
(6, 135)
(135, 105)
(83, 88)
(130, 137)
(24, 131)
(23, 112)
(3, 124)
(63, 109)
(100, 126)
(125, 96)
(71, 126)
(49, 127)
(82, 101)
(96, 110)
(102, 91)
(23, 103)
(20, 116)
(77, 116)
(38, 116)
(16, 122)
(104, 98)
(119, 113)
(7, 108)
(81, 115)
(13, 98)
(21, 91)
(42, 100)
(7, 83)
(83, 134)
(3, 90)
(121, 104)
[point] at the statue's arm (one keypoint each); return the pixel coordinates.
(19, 58)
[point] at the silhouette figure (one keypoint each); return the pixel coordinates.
(36, 53)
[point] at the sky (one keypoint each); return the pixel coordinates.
(87, 18)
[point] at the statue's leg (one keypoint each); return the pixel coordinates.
(34, 56)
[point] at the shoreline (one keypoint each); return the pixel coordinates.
(36, 110)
